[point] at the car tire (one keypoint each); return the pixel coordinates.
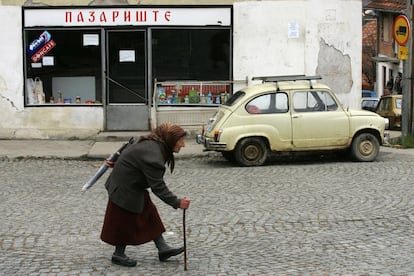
(365, 147)
(228, 155)
(251, 152)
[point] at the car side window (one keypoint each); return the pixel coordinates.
(281, 104)
(235, 98)
(268, 104)
(313, 101)
(398, 103)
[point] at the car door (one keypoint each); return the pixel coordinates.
(268, 115)
(318, 122)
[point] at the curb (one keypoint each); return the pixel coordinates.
(79, 149)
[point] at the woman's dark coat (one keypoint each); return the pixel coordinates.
(140, 166)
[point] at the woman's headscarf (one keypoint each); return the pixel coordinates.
(168, 134)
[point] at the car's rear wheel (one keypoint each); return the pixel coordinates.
(365, 147)
(251, 152)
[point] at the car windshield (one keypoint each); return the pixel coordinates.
(369, 103)
(235, 98)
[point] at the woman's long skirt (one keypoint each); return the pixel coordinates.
(122, 227)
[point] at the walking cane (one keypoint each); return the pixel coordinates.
(185, 242)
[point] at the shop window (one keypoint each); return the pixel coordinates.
(196, 62)
(67, 69)
(191, 54)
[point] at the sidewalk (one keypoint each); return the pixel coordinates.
(100, 148)
(104, 145)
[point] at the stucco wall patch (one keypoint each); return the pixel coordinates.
(8, 101)
(335, 68)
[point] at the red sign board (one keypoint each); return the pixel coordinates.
(44, 50)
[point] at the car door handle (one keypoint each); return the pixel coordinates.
(296, 116)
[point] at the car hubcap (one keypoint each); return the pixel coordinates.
(366, 147)
(251, 152)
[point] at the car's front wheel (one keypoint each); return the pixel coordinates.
(251, 152)
(365, 147)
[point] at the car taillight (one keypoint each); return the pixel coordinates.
(217, 134)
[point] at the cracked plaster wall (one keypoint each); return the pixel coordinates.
(336, 69)
(329, 42)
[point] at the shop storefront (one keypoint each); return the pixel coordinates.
(130, 67)
(133, 63)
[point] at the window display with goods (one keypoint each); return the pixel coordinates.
(207, 93)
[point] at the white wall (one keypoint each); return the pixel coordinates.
(329, 42)
(18, 122)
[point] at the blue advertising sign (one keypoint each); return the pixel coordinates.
(38, 43)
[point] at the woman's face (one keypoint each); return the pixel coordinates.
(180, 144)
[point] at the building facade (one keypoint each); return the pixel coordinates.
(380, 46)
(73, 70)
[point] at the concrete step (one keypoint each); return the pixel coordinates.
(115, 136)
(108, 142)
(124, 136)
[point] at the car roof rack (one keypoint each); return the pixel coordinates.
(275, 79)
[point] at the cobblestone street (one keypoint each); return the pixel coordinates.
(310, 216)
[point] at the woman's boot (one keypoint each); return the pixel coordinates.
(120, 258)
(164, 250)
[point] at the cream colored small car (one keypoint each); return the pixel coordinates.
(290, 114)
(390, 107)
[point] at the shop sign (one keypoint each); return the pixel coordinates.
(38, 43)
(401, 30)
(44, 50)
(40, 46)
(127, 16)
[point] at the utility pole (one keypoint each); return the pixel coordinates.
(407, 91)
(410, 95)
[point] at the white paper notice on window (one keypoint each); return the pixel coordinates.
(36, 65)
(126, 56)
(90, 39)
(48, 61)
(293, 30)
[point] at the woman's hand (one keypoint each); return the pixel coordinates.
(185, 203)
(109, 163)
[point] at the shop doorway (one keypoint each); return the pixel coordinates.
(127, 103)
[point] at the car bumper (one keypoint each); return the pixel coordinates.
(210, 144)
(387, 123)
